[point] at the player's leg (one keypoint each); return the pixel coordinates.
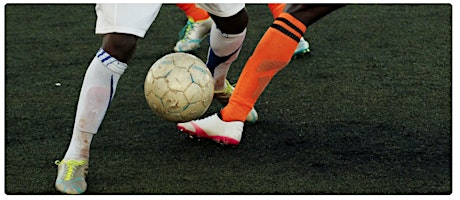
(260, 68)
(285, 32)
(266, 61)
(197, 28)
(303, 47)
(226, 38)
(99, 84)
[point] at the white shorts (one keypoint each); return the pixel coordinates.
(132, 19)
(136, 19)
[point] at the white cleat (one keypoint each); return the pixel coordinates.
(214, 128)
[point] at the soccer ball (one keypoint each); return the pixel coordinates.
(179, 87)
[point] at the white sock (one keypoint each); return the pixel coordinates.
(97, 92)
(227, 48)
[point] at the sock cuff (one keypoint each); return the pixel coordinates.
(289, 25)
(111, 62)
(226, 35)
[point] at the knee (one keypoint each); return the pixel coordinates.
(234, 24)
(120, 46)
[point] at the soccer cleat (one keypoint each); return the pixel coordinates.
(214, 128)
(71, 176)
(302, 48)
(224, 95)
(192, 34)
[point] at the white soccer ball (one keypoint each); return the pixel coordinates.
(179, 87)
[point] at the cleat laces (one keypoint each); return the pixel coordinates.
(71, 166)
(185, 31)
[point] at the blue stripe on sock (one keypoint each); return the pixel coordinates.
(111, 91)
(100, 52)
(106, 58)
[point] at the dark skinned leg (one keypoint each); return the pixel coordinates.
(232, 25)
(120, 46)
(222, 54)
(310, 13)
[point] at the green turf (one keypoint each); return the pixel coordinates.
(369, 111)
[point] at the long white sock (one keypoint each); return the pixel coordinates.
(97, 92)
(224, 49)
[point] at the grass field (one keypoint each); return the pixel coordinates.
(369, 111)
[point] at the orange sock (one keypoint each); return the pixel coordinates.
(276, 9)
(193, 12)
(272, 54)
